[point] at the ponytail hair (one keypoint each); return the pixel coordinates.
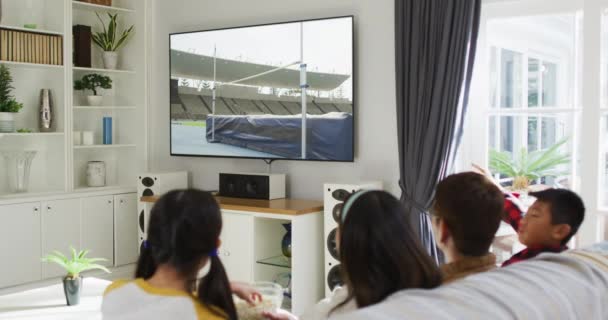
(184, 229)
(214, 288)
(146, 266)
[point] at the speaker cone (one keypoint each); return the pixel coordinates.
(141, 221)
(147, 181)
(336, 212)
(148, 193)
(340, 194)
(333, 277)
(331, 244)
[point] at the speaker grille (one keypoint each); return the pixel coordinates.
(148, 193)
(141, 221)
(333, 277)
(336, 212)
(331, 244)
(340, 194)
(147, 182)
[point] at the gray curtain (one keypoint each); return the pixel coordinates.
(435, 50)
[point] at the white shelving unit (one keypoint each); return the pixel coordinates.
(59, 167)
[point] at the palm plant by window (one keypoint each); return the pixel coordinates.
(529, 166)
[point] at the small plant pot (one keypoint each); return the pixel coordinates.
(72, 288)
(7, 122)
(94, 100)
(110, 60)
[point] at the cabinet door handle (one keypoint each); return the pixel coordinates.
(122, 201)
(227, 253)
(109, 201)
(49, 208)
(35, 209)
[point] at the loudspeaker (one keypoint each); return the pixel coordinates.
(252, 185)
(155, 184)
(334, 195)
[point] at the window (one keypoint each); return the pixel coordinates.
(531, 107)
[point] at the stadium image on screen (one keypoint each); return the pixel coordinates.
(277, 91)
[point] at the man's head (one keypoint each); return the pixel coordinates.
(552, 219)
(466, 214)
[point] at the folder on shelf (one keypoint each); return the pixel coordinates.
(30, 47)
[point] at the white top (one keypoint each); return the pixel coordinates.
(131, 300)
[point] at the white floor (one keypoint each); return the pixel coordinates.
(45, 300)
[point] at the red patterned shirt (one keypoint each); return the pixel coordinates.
(513, 216)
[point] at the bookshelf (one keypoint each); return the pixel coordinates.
(59, 166)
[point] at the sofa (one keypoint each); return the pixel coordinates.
(571, 285)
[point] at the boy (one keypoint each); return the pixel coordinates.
(548, 225)
(465, 216)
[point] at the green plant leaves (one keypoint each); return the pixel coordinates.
(7, 101)
(77, 263)
(532, 165)
(92, 82)
(107, 39)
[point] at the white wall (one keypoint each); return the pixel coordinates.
(376, 133)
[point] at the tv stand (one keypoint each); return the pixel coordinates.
(251, 244)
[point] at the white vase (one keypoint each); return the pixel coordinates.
(96, 174)
(110, 59)
(7, 122)
(18, 165)
(94, 100)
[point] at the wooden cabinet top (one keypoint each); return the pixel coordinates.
(293, 207)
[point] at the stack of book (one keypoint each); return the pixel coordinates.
(30, 47)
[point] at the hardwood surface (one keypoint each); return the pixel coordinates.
(279, 206)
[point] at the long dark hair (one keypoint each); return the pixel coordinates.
(184, 228)
(379, 251)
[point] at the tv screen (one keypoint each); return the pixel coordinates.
(275, 91)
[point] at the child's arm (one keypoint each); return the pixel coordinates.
(513, 211)
(512, 214)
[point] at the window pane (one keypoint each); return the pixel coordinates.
(493, 76)
(533, 82)
(549, 75)
(532, 133)
(548, 132)
(604, 159)
(510, 79)
(492, 128)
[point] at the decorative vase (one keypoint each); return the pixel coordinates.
(94, 100)
(18, 165)
(46, 121)
(96, 174)
(107, 130)
(110, 59)
(72, 288)
(286, 242)
(7, 122)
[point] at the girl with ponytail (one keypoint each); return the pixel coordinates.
(183, 237)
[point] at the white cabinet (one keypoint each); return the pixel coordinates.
(20, 235)
(125, 229)
(60, 230)
(97, 227)
(236, 249)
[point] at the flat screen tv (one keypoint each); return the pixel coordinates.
(273, 91)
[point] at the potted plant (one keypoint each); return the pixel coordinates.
(8, 105)
(93, 82)
(72, 282)
(109, 42)
(529, 166)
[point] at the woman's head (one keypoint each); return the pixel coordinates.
(183, 233)
(379, 251)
